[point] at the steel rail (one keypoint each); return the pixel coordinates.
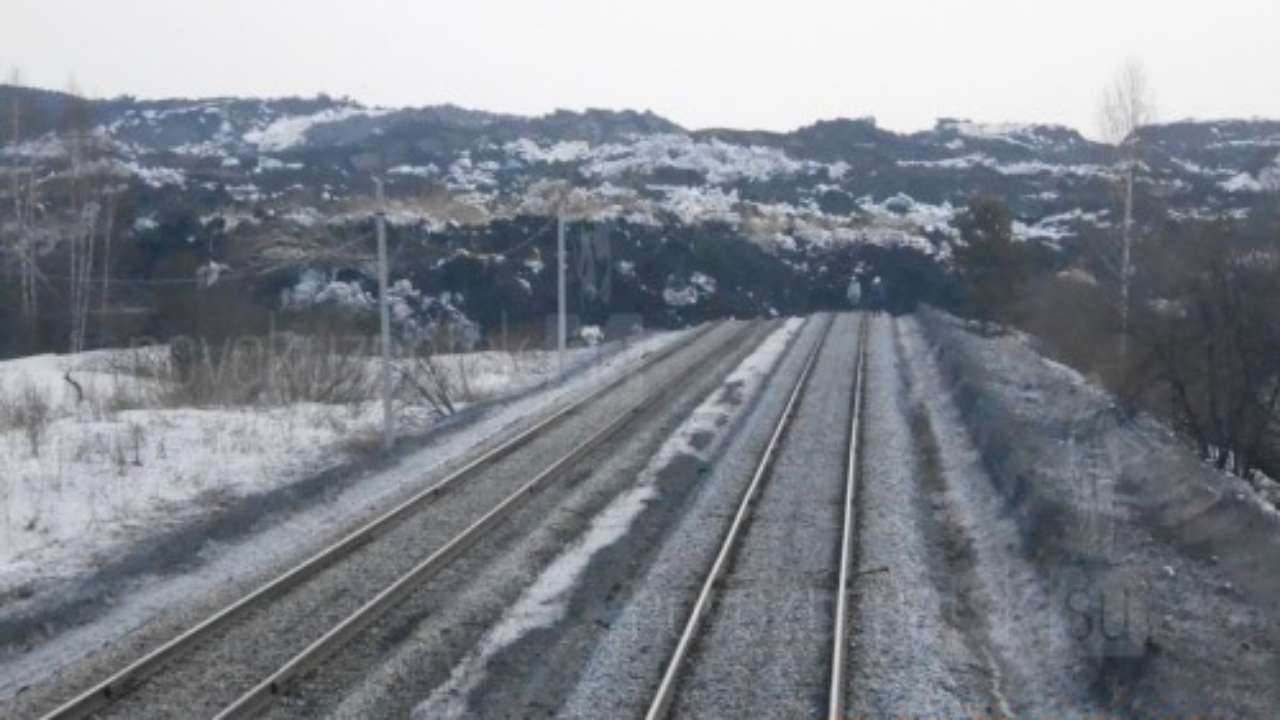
(836, 702)
(665, 694)
(253, 702)
(120, 683)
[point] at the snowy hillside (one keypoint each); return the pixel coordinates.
(245, 151)
(281, 177)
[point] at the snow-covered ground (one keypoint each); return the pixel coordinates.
(81, 477)
(1119, 512)
(226, 566)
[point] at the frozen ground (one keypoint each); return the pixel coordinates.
(82, 476)
(1014, 628)
(1164, 568)
(909, 656)
(151, 500)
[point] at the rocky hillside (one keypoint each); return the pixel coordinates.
(694, 222)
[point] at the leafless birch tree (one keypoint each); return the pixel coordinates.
(23, 188)
(1127, 106)
(92, 208)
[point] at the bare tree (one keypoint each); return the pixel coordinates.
(426, 380)
(1127, 106)
(108, 228)
(80, 231)
(1207, 331)
(81, 242)
(24, 203)
(92, 208)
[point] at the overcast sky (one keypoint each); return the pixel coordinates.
(776, 65)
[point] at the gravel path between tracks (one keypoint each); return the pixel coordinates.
(1012, 615)
(162, 606)
(502, 599)
(765, 652)
(951, 618)
(908, 656)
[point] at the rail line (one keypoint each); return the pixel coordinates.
(677, 665)
(848, 531)
(253, 702)
(119, 684)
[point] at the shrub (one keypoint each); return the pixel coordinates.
(30, 412)
(992, 265)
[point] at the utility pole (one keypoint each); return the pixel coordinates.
(388, 430)
(561, 321)
(1126, 269)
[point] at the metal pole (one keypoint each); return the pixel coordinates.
(562, 326)
(388, 429)
(1126, 270)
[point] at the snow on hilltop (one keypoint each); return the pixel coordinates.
(1015, 133)
(975, 160)
(288, 132)
(831, 183)
(718, 162)
(1034, 137)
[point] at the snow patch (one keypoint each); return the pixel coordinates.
(267, 163)
(467, 175)
(318, 288)
(288, 132)
(1017, 169)
(703, 282)
(304, 217)
(561, 152)
(423, 171)
(693, 205)
(1029, 136)
(153, 176)
(680, 296)
(146, 223)
(1267, 180)
(684, 293)
(719, 162)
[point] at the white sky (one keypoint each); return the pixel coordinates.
(740, 64)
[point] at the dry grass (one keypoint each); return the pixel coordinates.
(30, 411)
(249, 372)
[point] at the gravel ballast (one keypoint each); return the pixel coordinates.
(765, 650)
(700, 489)
(417, 648)
(906, 659)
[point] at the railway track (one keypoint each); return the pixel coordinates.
(702, 614)
(118, 686)
(848, 562)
